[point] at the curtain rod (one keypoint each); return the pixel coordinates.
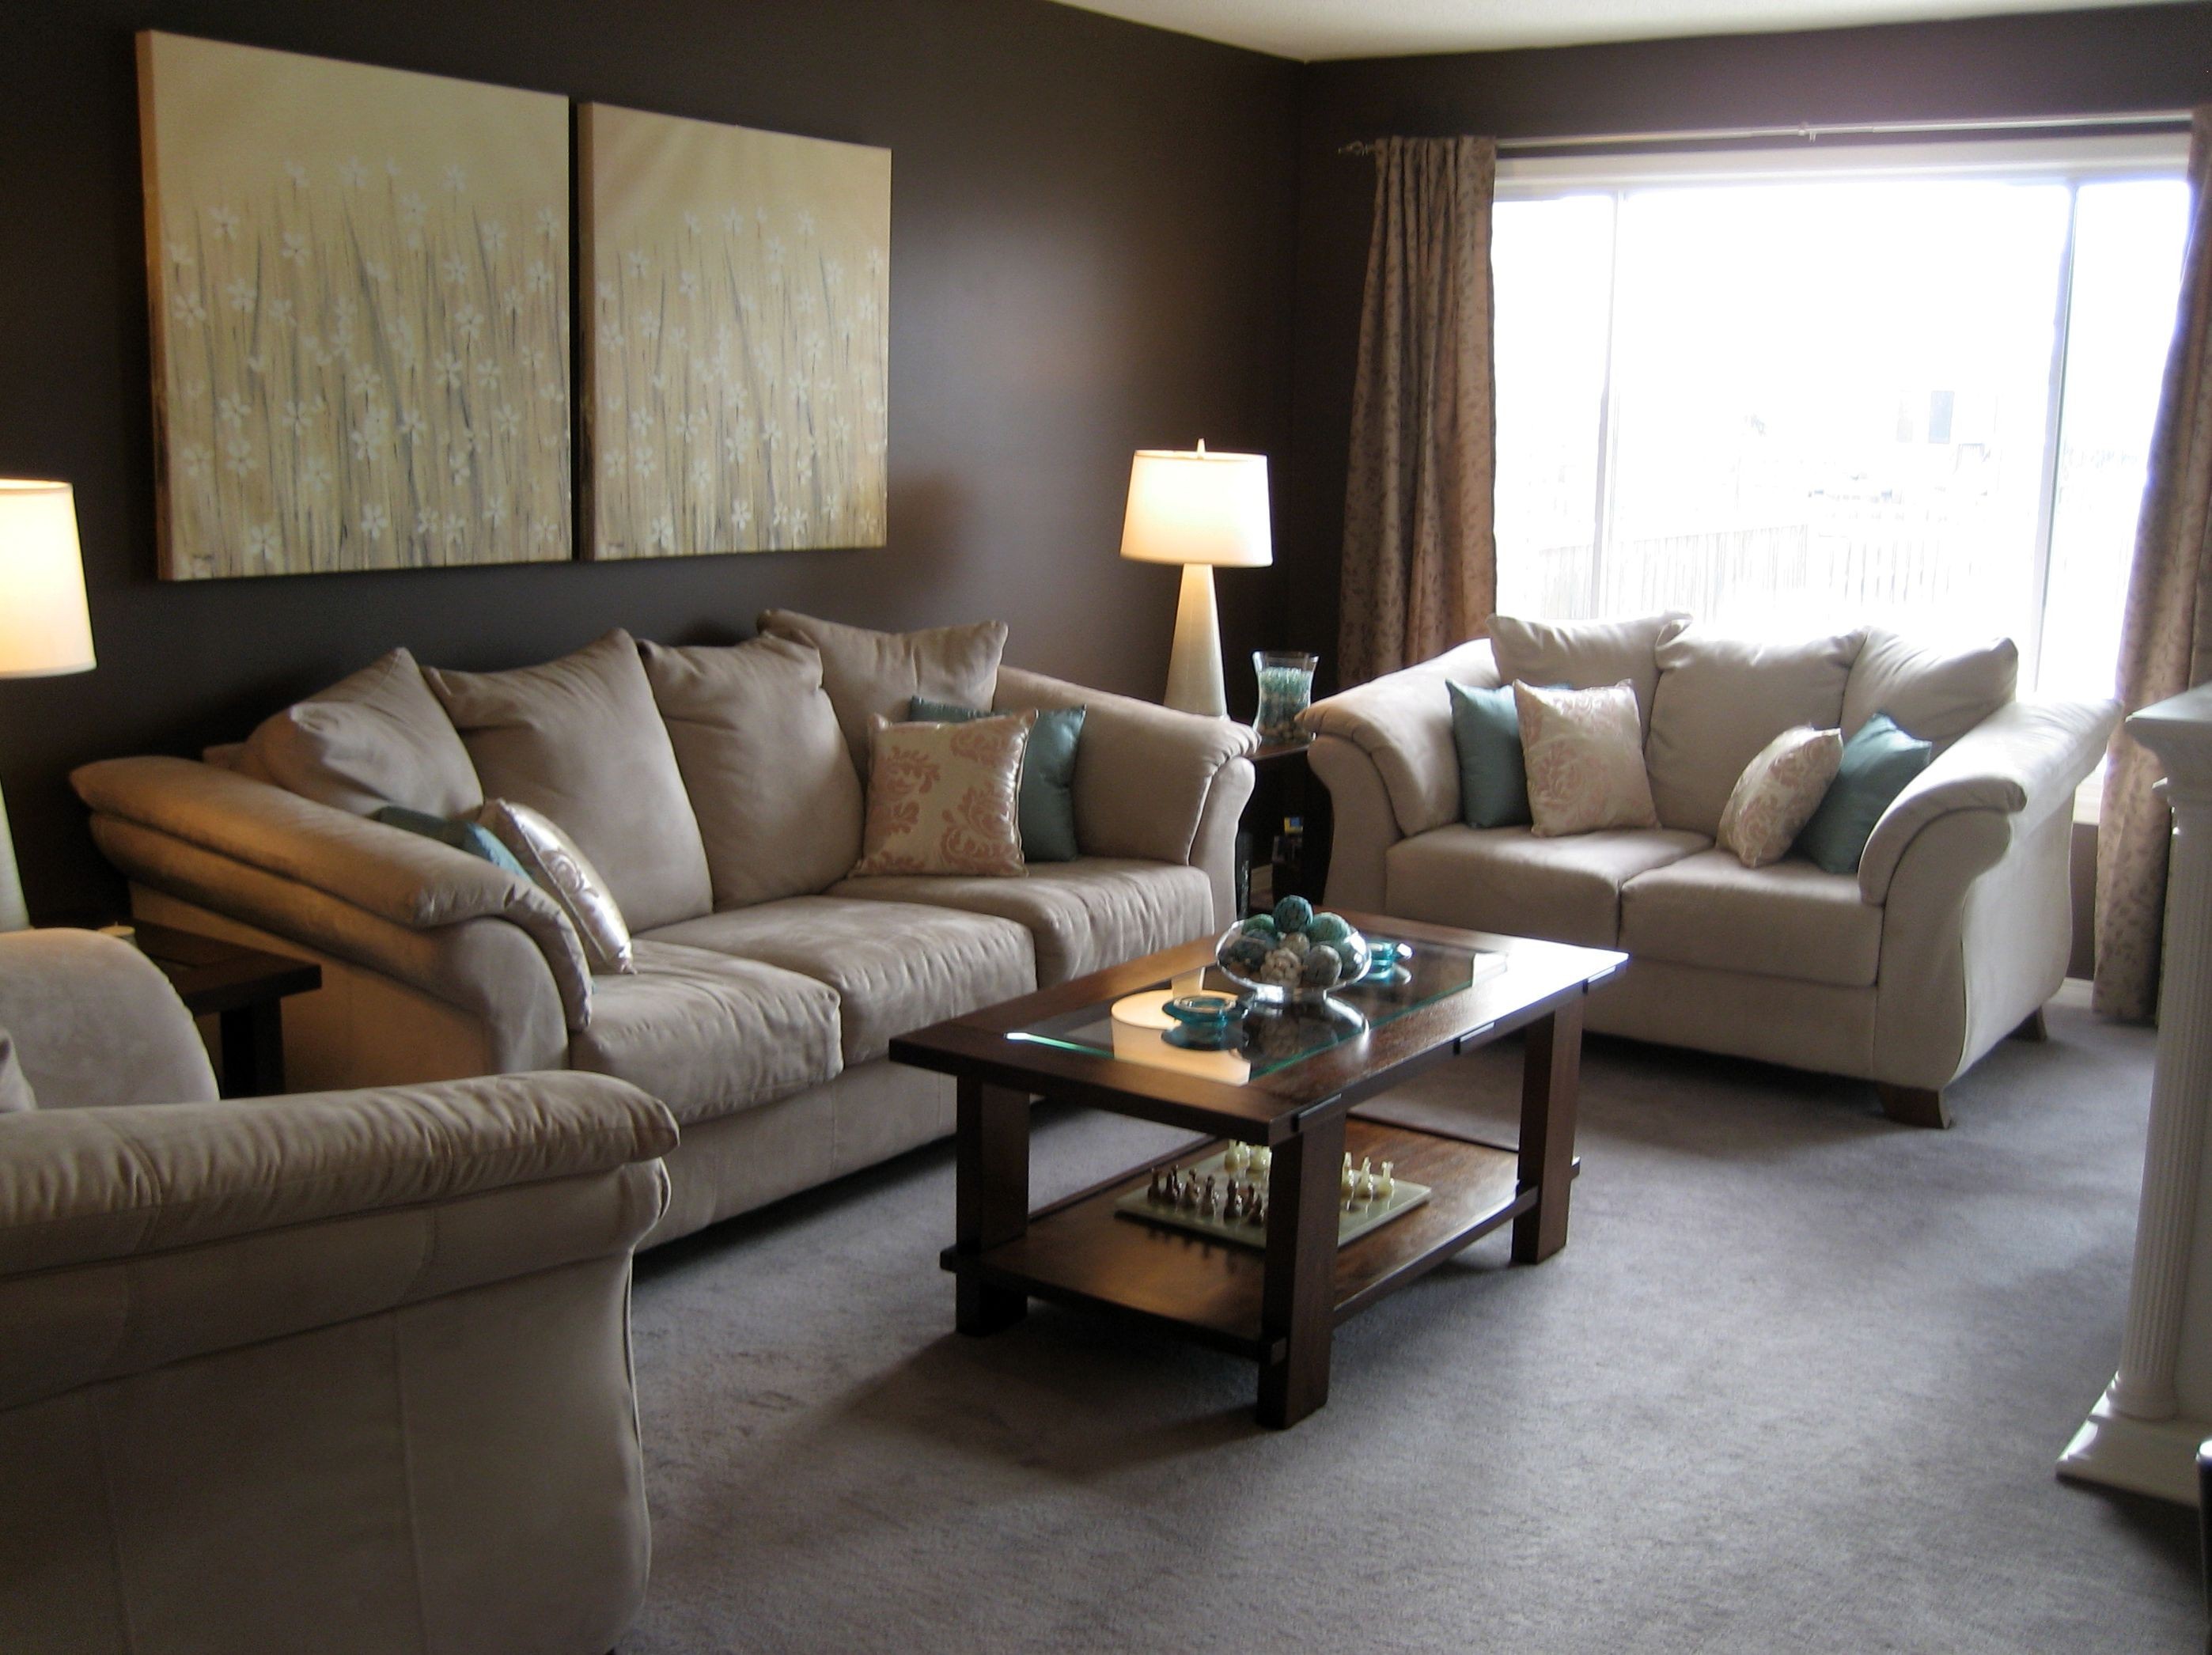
(1810, 132)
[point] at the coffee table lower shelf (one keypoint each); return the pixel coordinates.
(1079, 1252)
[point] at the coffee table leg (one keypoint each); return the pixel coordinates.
(992, 1197)
(1297, 1296)
(1550, 1077)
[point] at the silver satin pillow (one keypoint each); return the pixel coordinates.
(15, 1090)
(565, 874)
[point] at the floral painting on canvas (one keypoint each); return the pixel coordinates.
(359, 292)
(736, 336)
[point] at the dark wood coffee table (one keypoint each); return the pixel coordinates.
(1277, 1304)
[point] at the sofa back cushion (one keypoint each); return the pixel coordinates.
(757, 742)
(374, 739)
(580, 740)
(871, 674)
(1932, 694)
(1721, 700)
(1585, 655)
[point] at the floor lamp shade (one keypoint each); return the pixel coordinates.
(45, 628)
(1204, 511)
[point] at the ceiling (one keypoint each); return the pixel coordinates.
(1311, 29)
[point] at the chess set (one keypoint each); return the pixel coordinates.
(1225, 1196)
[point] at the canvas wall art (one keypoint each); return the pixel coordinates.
(361, 287)
(737, 338)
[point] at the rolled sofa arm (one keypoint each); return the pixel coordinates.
(94, 1023)
(150, 815)
(1403, 722)
(2024, 761)
(135, 1237)
(1143, 773)
(78, 1186)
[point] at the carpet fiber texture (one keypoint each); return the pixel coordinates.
(1797, 1383)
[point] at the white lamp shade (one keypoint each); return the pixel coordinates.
(45, 628)
(1198, 508)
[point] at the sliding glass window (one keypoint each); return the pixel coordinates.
(1904, 395)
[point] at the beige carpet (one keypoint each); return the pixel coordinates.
(1796, 1383)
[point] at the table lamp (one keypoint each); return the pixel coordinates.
(1205, 512)
(44, 629)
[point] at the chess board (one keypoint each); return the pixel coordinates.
(1354, 1219)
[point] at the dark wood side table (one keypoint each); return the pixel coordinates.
(1285, 787)
(244, 989)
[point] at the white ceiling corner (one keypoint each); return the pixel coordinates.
(1311, 30)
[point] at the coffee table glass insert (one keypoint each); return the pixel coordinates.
(1272, 1038)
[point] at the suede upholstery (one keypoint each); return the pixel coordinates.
(1403, 723)
(870, 674)
(1721, 700)
(895, 966)
(16, 1094)
(581, 740)
(375, 738)
(749, 711)
(345, 1372)
(1081, 917)
(1585, 655)
(92, 1021)
(761, 1020)
(1955, 926)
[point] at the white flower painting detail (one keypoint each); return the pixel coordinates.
(360, 282)
(775, 249)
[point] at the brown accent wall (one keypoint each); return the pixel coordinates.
(1090, 252)
(2061, 64)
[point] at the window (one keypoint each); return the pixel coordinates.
(1919, 395)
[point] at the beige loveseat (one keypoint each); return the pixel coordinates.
(1953, 932)
(347, 1373)
(719, 792)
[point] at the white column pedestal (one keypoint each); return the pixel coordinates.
(2144, 1433)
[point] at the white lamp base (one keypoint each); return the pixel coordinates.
(13, 915)
(1195, 667)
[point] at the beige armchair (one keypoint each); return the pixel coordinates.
(340, 1372)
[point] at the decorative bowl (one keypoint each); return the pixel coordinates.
(1293, 956)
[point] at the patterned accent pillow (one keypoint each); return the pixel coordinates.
(1583, 753)
(1777, 794)
(943, 798)
(566, 874)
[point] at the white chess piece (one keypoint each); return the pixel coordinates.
(1345, 1180)
(1262, 1159)
(1388, 1184)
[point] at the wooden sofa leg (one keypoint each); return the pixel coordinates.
(2033, 1026)
(1913, 1105)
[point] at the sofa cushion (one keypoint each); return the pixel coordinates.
(1721, 700)
(1777, 794)
(1932, 694)
(1789, 919)
(1493, 777)
(944, 798)
(580, 739)
(1875, 766)
(1048, 792)
(1508, 880)
(1081, 916)
(771, 782)
(895, 966)
(1584, 654)
(870, 673)
(376, 738)
(550, 859)
(1583, 758)
(709, 1034)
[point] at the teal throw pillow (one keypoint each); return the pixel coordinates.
(462, 835)
(1493, 778)
(1877, 763)
(1047, 806)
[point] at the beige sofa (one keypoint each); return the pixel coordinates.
(346, 1373)
(718, 791)
(1953, 932)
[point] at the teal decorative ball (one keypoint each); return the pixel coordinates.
(1262, 926)
(1245, 955)
(1328, 927)
(1293, 913)
(1324, 967)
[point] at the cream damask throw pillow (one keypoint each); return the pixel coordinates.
(566, 874)
(1583, 753)
(943, 798)
(1777, 794)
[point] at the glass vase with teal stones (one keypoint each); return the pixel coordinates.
(1285, 690)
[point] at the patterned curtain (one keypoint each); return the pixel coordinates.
(1420, 562)
(2165, 642)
